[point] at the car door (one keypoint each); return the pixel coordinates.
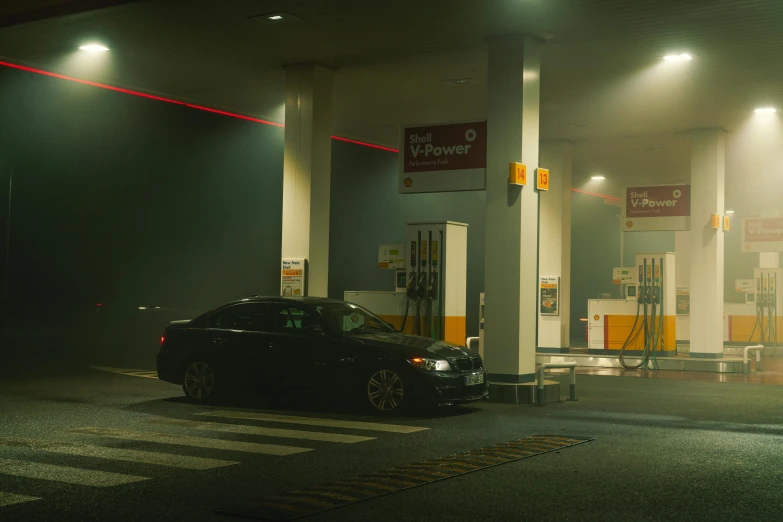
(303, 341)
(240, 339)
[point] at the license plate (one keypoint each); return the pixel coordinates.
(472, 380)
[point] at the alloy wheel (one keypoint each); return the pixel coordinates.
(199, 380)
(385, 390)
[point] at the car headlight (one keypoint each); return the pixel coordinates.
(433, 365)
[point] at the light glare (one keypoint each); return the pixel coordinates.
(766, 110)
(598, 178)
(729, 212)
(94, 48)
(683, 57)
(275, 17)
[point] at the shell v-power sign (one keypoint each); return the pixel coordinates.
(443, 158)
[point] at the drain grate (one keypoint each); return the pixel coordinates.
(304, 502)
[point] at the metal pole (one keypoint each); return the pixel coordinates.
(6, 274)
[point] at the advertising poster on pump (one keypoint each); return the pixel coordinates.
(657, 207)
(443, 158)
(762, 234)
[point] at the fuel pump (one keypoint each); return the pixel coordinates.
(766, 301)
(650, 309)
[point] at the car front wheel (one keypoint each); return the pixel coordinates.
(386, 391)
(199, 381)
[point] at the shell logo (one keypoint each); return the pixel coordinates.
(408, 182)
(596, 317)
(629, 224)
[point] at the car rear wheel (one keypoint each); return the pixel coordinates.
(386, 391)
(199, 381)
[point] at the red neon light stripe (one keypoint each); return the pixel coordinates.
(365, 144)
(234, 115)
(611, 198)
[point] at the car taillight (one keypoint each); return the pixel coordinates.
(162, 338)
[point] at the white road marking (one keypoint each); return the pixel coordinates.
(258, 430)
(6, 499)
(196, 442)
(311, 421)
(68, 475)
(126, 455)
(150, 374)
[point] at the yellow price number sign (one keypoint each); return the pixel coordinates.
(517, 173)
(542, 179)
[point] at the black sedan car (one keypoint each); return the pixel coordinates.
(273, 343)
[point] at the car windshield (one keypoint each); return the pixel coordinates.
(350, 318)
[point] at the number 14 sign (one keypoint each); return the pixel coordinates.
(542, 179)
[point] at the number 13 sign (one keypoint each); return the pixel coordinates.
(542, 179)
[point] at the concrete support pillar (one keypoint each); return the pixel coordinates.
(706, 249)
(511, 242)
(554, 331)
(307, 170)
(769, 259)
(682, 278)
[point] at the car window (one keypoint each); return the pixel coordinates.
(346, 318)
(292, 319)
(252, 317)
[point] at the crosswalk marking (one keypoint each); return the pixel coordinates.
(149, 374)
(6, 499)
(311, 421)
(126, 455)
(82, 477)
(196, 442)
(258, 430)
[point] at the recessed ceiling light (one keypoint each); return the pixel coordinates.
(729, 212)
(682, 57)
(94, 48)
(766, 110)
(598, 177)
(275, 18)
(461, 81)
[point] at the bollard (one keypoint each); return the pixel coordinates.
(540, 380)
(757, 348)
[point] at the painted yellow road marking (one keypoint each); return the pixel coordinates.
(68, 475)
(259, 430)
(6, 499)
(312, 421)
(196, 442)
(126, 455)
(149, 374)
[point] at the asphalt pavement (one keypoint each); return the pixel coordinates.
(114, 443)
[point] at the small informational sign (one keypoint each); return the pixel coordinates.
(743, 286)
(762, 234)
(624, 276)
(726, 223)
(292, 278)
(542, 179)
(657, 207)
(391, 257)
(443, 158)
(549, 295)
(517, 173)
(683, 300)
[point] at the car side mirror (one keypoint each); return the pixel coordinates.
(315, 330)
